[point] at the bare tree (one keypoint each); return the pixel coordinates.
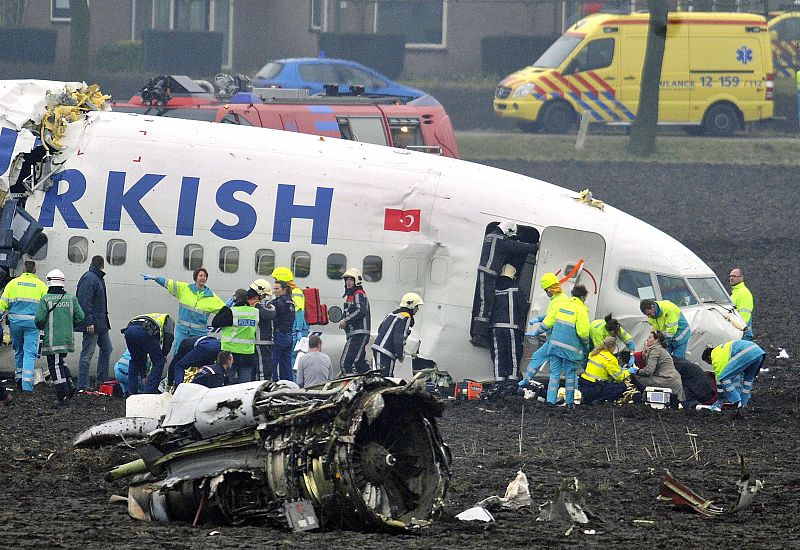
(80, 31)
(643, 131)
(12, 13)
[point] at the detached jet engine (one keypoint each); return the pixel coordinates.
(359, 453)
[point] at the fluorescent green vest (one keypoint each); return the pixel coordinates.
(240, 337)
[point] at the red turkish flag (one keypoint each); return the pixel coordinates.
(401, 220)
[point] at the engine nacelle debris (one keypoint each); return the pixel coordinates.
(360, 453)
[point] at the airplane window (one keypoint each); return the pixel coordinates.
(372, 269)
(709, 290)
(675, 290)
(156, 254)
(229, 259)
(301, 264)
(116, 250)
(636, 283)
(337, 264)
(192, 256)
(78, 250)
(438, 271)
(41, 253)
(409, 270)
(265, 261)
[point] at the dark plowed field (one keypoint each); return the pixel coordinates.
(52, 496)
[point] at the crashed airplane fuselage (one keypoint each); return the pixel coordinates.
(360, 453)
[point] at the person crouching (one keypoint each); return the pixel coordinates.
(216, 375)
(604, 378)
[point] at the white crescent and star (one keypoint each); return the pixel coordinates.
(410, 219)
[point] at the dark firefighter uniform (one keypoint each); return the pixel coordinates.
(509, 313)
(498, 249)
(150, 335)
(357, 328)
(282, 332)
(265, 341)
(391, 339)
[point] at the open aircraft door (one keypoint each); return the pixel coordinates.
(571, 254)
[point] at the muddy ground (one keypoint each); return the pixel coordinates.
(52, 496)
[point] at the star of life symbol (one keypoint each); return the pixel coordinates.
(744, 55)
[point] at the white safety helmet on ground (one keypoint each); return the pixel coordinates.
(55, 278)
(354, 274)
(411, 300)
(508, 271)
(509, 228)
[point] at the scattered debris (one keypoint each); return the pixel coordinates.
(644, 522)
(589, 532)
(517, 496)
(586, 196)
(476, 513)
(680, 495)
(782, 354)
(567, 504)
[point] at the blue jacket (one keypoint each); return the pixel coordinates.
(93, 299)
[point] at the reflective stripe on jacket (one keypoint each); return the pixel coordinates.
(21, 298)
(604, 367)
(671, 322)
(598, 333)
(195, 304)
(732, 357)
(240, 337)
(570, 325)
(743, 300)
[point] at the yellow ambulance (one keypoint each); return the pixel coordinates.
(716, 74)
(784, 30)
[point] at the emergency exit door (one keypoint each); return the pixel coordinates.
(571, 253)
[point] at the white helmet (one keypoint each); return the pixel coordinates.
(262, 287)
(509, 228)
(354, 274)
(55, 278)
(508, 271)
(411, 300)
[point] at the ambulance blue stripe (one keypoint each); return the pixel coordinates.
(320, 109)
(586, 106)
(603, 106)
(326, 125)
(619, 106)
(784, 71)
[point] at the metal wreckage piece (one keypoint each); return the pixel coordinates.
(676, 492)
(360, 453)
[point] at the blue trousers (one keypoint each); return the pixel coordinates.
(121, 374)
(200, 355)
(242, 369)
(677, 349)
(569, 368)
(142, 345)
(600, 391)
(738, 386)
(90, 342)
(25, 339)
(538, 359)
(282, 356)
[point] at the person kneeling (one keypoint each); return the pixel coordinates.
(604, 378)
(216, 375)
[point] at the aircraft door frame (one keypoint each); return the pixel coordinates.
(560, 251)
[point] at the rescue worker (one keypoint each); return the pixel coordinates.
(659, 369)
(569, 322)
(282, 331)
(742, 299)
(499, 248)
(600, 329)
(736, 365)
(392, 334)
(196, 300)
(239, 324)
(604, 378)
(508, 320)
(215, 375)
(265, 366)
(356, 324)
(58, 313)
(552, 287)
(121, 371)
(300, 327)
(667, 318)
(148, 336)
(193, 352)
(21, 298)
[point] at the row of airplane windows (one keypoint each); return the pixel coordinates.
(229, 259)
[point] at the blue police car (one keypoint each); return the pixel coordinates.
(313, 73)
